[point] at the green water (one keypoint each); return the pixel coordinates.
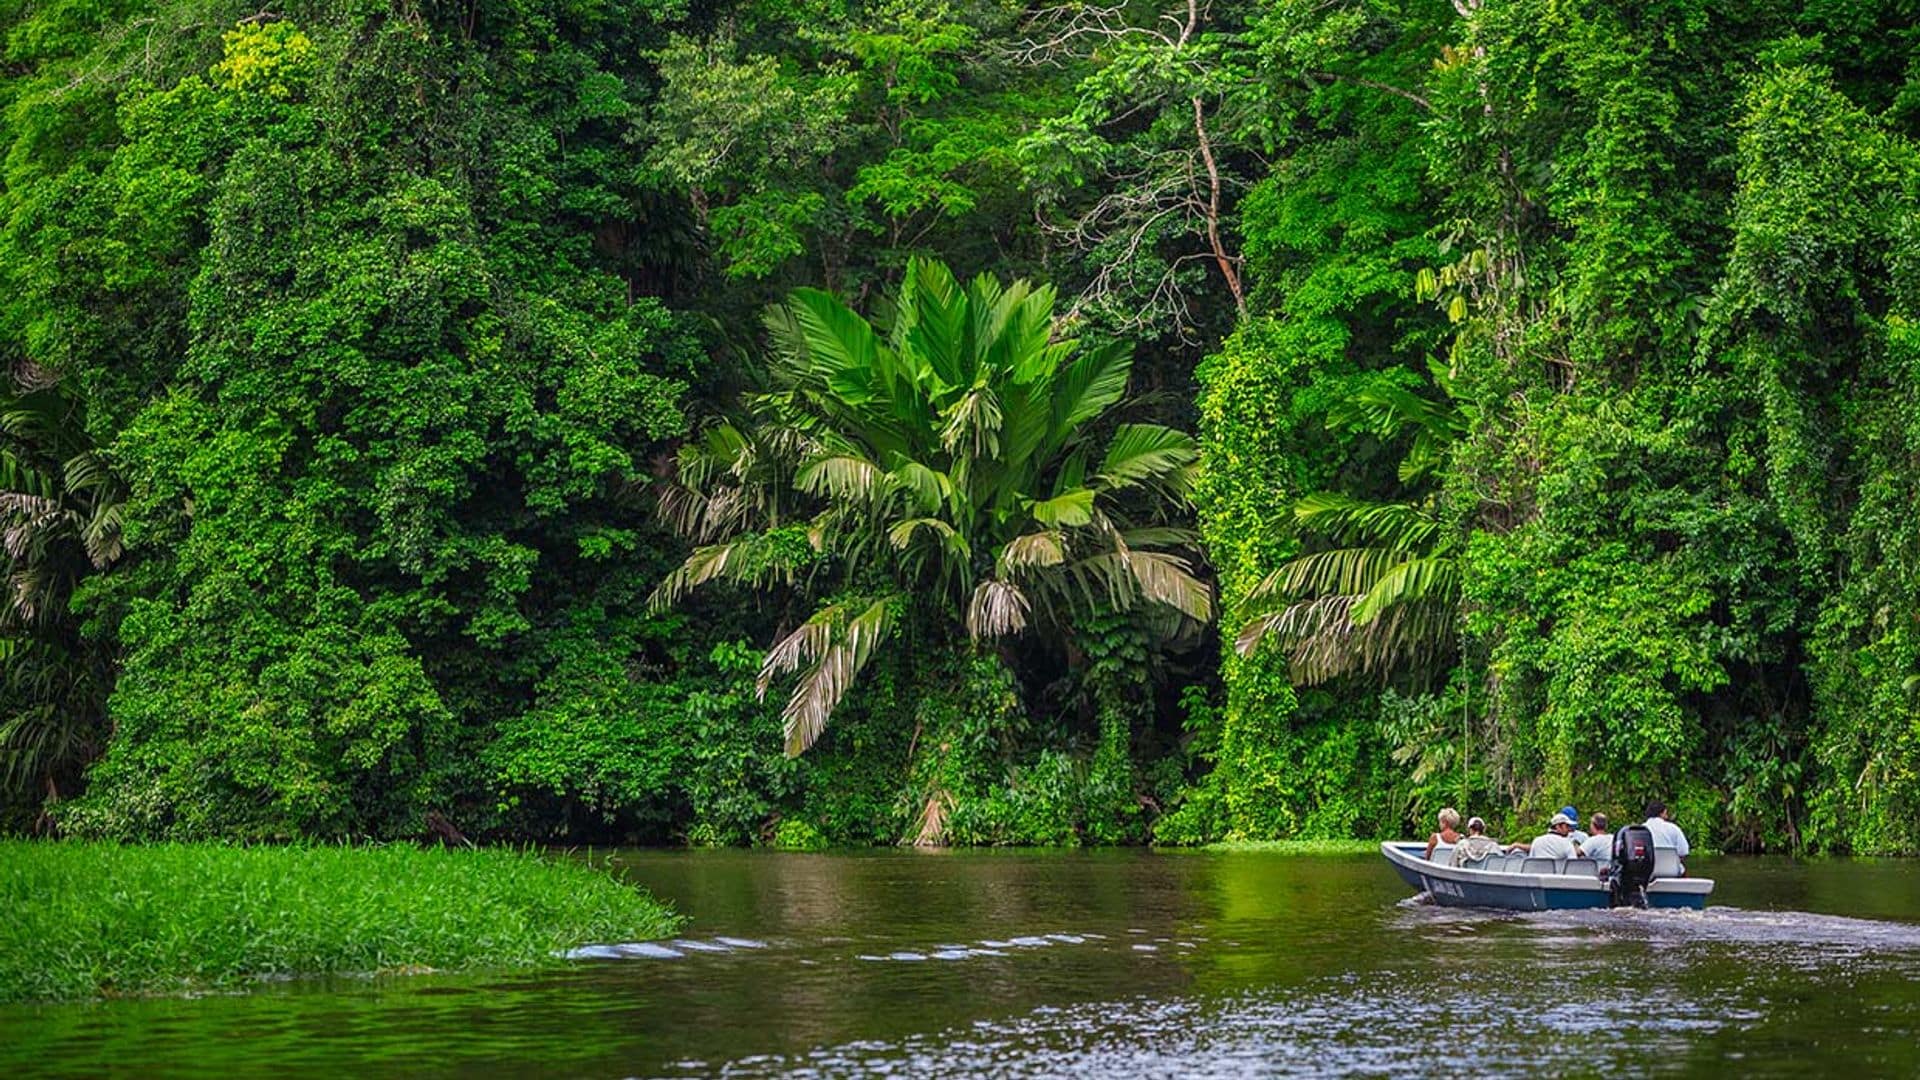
(1104, 963)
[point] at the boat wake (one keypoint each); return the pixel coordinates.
(1134, 941)
(1802, 935)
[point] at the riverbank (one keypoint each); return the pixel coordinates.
(86, 920)
(1297, 847)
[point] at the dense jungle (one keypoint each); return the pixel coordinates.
(833, 422)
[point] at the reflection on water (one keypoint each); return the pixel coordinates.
(1026, 964)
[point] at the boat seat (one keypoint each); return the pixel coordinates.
(1582, 867)
(1666, 862)
(1531, 865)
(1442, 854)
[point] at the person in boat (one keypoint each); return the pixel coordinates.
(1578, 836)
(1449, 833)
(1476, 845)
(1665, 833)
(1599, 846)
(1552, 844)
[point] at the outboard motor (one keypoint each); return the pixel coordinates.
(1632, 866)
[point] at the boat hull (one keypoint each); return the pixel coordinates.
(1453, 886)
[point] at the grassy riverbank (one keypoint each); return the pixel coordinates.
(1298, 847)
(84, 920)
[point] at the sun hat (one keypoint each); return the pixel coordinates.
(1560, 819)
(1478, 823)
(1573, 816)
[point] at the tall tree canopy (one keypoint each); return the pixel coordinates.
(378, 380)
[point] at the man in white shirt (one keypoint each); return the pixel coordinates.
(1552, 844)
(1665, 832)
(1599, 846)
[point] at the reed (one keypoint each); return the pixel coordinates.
(87, 919)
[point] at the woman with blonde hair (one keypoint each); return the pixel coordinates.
(1449, 833)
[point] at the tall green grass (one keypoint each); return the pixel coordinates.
(80, 920)
(1298, 847)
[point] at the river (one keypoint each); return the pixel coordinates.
(1110, 963)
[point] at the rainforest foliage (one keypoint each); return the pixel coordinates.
(1046, 423)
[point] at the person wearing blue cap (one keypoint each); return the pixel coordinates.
(1578, 835)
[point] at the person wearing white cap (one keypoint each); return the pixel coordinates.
(1552, 844)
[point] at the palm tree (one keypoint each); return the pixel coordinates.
(945, 466)
(1384, 595)
(60, 510)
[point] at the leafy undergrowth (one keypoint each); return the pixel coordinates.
(85, 920)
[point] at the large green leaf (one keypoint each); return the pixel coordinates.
(1070, 509)
(1146, 452)
(846, 354)
(938, 332)
(1411, 581)
(1090, 385)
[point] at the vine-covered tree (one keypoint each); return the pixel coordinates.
(1379, 590)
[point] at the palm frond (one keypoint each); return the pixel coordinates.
(829, 650)
(1344, 519)
(997, 609)
(1410, 581)
(1069, 509)
(1032, 550)
(842, 350)
(1347, 571)
(1326, 635)
(840, 476)
(1139, 453)
(902, 533)
(930, 488)
(973, 421)
(1126, 576)
(1089, 386)
(745, 560)
(1169, 580)
(934, 308)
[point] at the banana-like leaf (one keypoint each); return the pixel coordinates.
(1070, 509)
(938, 327)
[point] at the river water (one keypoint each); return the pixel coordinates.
(1123, 963)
